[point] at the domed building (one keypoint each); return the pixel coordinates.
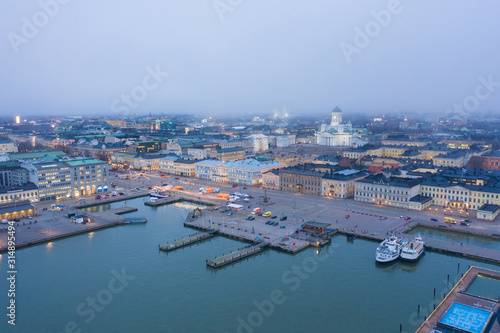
(335, 134)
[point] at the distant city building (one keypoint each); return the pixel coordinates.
(335, 134)
(7, 147)
(37, 154)
(260, 142)
(285, 140)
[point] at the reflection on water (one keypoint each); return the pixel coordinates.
(485, 286)
(457, 237)
(188, 205)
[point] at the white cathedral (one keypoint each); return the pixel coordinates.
(335, 134)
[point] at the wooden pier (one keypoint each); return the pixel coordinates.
(123, 210)
(186, 241)
(237, 255)
(459, 295)
(135, 220)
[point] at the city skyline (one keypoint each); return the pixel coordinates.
(71, 58)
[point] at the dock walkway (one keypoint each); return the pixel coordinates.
(122, 210)
(186, 241)
(237, 255)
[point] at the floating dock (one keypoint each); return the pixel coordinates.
(123, 210)
(237, 255)
(136, 220)
(162, 202)
(186, 241)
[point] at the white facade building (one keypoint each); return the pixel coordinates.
(260, 142)
(335, 134)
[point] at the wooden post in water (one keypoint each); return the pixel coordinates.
(434, 292)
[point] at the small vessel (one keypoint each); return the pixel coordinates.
(413, 250)
(153, 199)
(159, 192)
(389, 250)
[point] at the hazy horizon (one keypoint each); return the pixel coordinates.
(241, 57)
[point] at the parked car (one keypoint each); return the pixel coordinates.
(274, 216)
(407, 218)
(274, 223)
(434, 219)
(230, 213)
(283, 218)
(464, 223)
(251, 196)
(268, 222)
(244, 188)
(267, 214)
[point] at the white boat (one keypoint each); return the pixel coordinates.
(413, 250)
(159, 192)
(153, 199)
(389, 250)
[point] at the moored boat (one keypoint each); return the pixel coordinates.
(389, 250)
(413, 250)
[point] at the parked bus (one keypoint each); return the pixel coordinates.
(449, 220)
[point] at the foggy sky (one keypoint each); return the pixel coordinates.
(241, 57)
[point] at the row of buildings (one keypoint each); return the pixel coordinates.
(46, 175)
(448, 190)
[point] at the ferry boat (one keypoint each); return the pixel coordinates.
(159, 192)
(413, 250)
(389, 250)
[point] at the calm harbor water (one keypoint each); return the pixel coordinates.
(457, 237)
(339, 288)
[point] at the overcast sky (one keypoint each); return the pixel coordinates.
(241, 56)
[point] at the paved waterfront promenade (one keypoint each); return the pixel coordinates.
(365, 220)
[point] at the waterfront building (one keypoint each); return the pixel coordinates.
(167, 163)
(271, 179)
(89, 176)
(123, 159)
(387, 191)
(53, 179)
(248, 171)
(488, 212)
(301, 179)
(184, 167)
(27, 191)
(335, 134)
(16, 210)
(341, 183)
(148, 161)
